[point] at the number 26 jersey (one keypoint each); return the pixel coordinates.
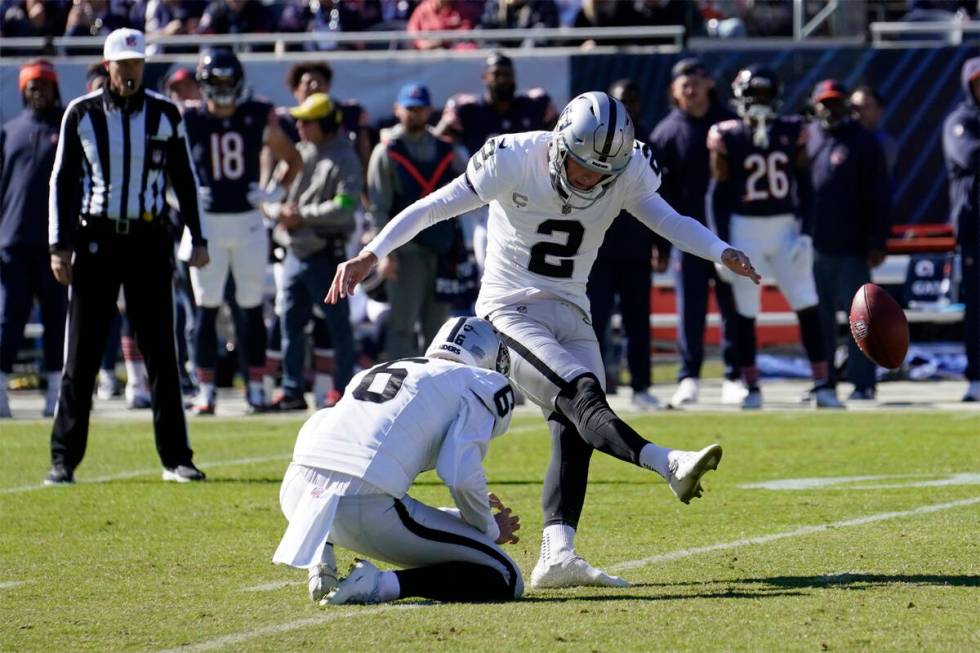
(536, 247)
(762, 175)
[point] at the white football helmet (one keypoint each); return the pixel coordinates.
(596, 131)
(470, 341)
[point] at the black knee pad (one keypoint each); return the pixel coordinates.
(584, 404)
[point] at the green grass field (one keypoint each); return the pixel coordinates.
(128, 563)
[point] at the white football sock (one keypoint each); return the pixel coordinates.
(388, 586)
(655, 458)
(135, 374)
(206, 389)
(557, 542)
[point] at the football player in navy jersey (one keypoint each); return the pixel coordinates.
(500, 111)
(763, 157)
(227, 133)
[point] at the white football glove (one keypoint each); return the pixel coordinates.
(257, 196)
(204, 197)
(801, 250)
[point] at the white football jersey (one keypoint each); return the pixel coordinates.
(535, 247)
(401, 418)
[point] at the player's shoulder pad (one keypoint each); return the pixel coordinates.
(495, 393)
(717, 133)
(643, 151)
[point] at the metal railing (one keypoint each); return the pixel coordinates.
(948, 32)
(803, 30)
(279, 42)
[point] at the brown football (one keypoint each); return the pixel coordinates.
(879, 327)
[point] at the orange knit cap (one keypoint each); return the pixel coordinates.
(36, 69)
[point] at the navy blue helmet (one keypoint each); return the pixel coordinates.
(221, 76)
(755, 91)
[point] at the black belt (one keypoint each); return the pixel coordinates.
(103, 226)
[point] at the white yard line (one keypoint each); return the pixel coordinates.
(136, 473)
(10, 584)
(276, 629)
(799, 532)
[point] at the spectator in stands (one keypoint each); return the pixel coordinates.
(328, 16)
(519, 14)
(27, 152)
(314, 224)
(409, 163)
(96, 17)
(602, 13)
(851, 209)
(442, 15)
(961, 149)
(235, 17)
(665, 12)
(721, 18)
(32, 18)
(172, 18)
(680, 146)
(868, 108)
(621, 276)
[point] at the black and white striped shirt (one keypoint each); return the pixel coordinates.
(114, 159)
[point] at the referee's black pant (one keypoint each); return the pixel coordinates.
(141, 263)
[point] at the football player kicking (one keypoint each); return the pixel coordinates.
(763, 156)
(226, 134)
(552, 195)
(354, 463)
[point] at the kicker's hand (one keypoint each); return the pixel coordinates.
(739, 263)
(350, 273)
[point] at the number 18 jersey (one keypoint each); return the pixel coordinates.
(536, 246)
(226, 152)
(762, 175)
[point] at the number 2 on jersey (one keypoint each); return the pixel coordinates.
(227, 156)
(539, 264)
(773, 168)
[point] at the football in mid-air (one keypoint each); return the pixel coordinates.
(879, 327)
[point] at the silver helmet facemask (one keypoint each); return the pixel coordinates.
(470, 341)
(595, 130)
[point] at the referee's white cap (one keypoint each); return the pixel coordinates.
(124, 43)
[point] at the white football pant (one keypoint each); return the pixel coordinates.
(771, 243)
(551, 342)
(237, 242)
(403, 532)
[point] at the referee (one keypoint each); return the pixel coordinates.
(119, 148)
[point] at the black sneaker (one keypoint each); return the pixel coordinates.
(183, 473)
(59, 475)
(287, 402)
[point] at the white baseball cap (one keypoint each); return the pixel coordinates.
(124, 43)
